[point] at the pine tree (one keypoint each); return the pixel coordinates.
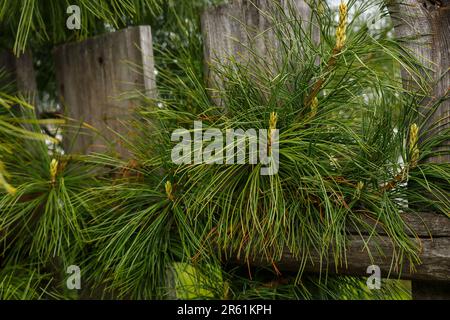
(147, 228)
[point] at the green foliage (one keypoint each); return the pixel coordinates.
(333, 164)
(22, 283)
(262, 286)
(43, 218)
(147, 228)
(40, 21)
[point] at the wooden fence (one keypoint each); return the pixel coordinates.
(93, 75)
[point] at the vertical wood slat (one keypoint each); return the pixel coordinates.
(99, 80)
(229, 30)
(425, 28)
(20, 71)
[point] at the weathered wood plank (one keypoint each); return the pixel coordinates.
(424, 26)
(20, 71)
(420, 225)
(98, 80)
(434, 255)
(235, 29)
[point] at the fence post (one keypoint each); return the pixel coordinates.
(99, 81)
(424, 26)
(20, 70)
(229, 30)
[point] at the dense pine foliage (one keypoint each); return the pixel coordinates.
(146, 228)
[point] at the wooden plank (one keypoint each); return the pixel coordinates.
(434, 254)
(99, 80)
(20, 71)
(236, 28)
(420, 225)
(425, 27)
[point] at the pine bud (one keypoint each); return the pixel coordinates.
(342, 27)
(10, 189)
(413, 144)
(272, 127)
(5, 185)
(359, 187)
(169, 190)
(53, 170)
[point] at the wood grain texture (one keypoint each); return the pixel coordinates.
(420, 225)
(424, 28)
(99, 80)
(235, 29)
(434, 253)
(20, 71)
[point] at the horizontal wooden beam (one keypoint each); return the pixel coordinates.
(430, 231)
